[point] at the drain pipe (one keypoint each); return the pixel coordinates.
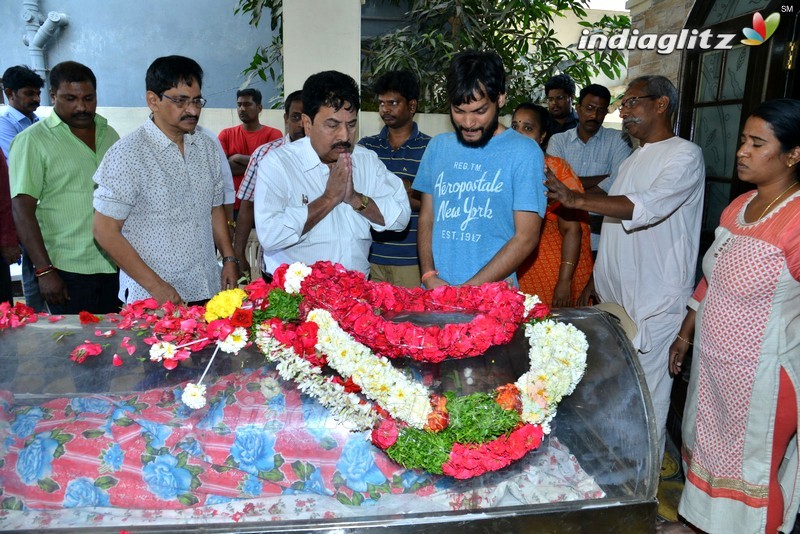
(39, 31)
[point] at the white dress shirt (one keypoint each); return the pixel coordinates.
(292, 177)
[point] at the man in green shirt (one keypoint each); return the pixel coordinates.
(51, 167)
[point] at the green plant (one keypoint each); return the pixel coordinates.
(519, 30)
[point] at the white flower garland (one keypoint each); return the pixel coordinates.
(558, 360)
(557, 357)
(403, 398)
(163, 350)
(235, 341)
(347, 408)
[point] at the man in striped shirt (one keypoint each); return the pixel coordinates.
(293, 126)
(399, 145)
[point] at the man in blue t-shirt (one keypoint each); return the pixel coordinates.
(399, 145)
(482, 197)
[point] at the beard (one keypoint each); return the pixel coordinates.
(486, 135)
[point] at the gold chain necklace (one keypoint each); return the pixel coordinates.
(775, 200)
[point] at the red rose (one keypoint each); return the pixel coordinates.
(540, 311)
(242, 318)
(385, 434)
(88, 318)
(257, 289)
(84, 350)
(22, 310)
(279, 276)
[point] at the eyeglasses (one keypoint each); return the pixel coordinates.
(184, 101)
(630, 103)
(590, 109)
(559, 98)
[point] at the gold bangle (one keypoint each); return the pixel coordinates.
(568, 263)
(232, 224)
(684, 339)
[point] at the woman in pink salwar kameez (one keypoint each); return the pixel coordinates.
(739, 429)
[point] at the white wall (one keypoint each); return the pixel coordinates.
(320, 36)
(125, 120)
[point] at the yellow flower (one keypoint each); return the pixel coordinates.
(224, 304)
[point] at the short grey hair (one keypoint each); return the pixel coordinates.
(659, 86)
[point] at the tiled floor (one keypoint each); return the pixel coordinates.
(670, 484)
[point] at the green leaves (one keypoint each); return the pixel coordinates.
(11, 503)
(48, 485)
(105, 482)
(282, 305)
(519, 30)
(475, 418)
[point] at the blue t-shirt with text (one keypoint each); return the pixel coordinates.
(475, 192)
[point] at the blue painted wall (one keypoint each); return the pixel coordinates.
(118, 39)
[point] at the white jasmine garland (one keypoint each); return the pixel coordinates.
(295, 275)
(557, 362)
(162, 350)
(346, 408)
(194, 396)
(235, 341)
(378, 379)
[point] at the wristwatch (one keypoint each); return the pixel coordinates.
(364, 203)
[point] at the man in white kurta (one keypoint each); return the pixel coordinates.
(319, 197)
(651, 231)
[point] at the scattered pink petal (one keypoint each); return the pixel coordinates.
(129, 347)
(117, 360)
(107, 333)
(55, 318)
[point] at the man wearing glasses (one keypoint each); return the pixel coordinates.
(159, 198)
(651, 231)
(594, 153)
(560, 90)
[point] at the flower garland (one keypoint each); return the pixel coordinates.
(459, 436)
(325, 329)
(354, 303)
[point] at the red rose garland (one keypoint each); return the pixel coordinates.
(467, 461)
(358, 306)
